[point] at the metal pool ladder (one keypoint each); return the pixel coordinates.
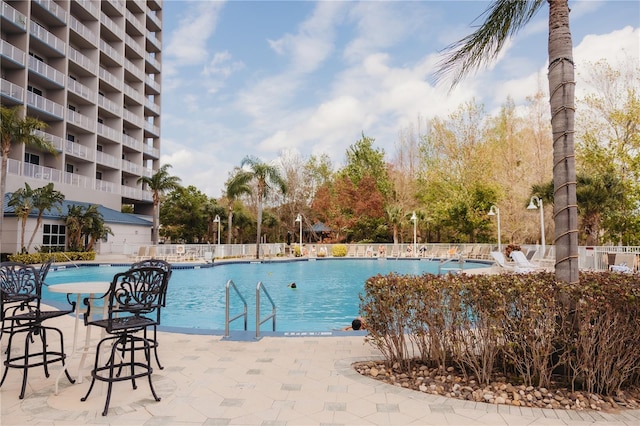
(260, 287)
(227, 320)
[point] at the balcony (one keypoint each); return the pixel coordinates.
(152, 106)
(134, 45)
(56, 141)
(12, 53)
(55, 10)
(104, 186)
(12, 91)
(110, 52)
(107, 159)
(157, 44)
(77, 180)
(89, 7)
(45, 105)
(152, 128)
(155, 64)
(132, 118)
(132, 143)
(153, 22)
(13, 16)
(118, 5)
(81, 90)
(151, 151)
(154, 85)
(110, 78)
(83, 31)
(134, 70)
(80, 120)
(47, 38)
(46, 71)
(109, 133)
(133, 94)
(82, 60)
(77, 150)
(133, 168)
(111, 25)
(109, 105)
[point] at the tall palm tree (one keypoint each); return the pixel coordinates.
(236, 186)
(159, 183)
(504, 18)
(44, 198)
(17, 130)
(266, 177)
(22, 203)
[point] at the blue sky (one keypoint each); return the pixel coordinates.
(270, 78)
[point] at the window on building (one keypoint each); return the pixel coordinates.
(99, 148)
(36, 56)
(98, 175)
(31, 158)
(70, 137)
(34, 90)
(72, 107)
(54, 236)
(69, 168)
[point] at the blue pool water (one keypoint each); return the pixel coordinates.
(326, 297)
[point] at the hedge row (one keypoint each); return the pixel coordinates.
(37, 258)
(527, 327)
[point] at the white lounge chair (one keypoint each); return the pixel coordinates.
(501, 261)
(521, 261)
(625, 262)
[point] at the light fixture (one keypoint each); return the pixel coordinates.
(495, 211)
(414, 218)
(532, 206)
(217, 220)
(299, 219)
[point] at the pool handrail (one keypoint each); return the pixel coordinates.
(259, 287)
(228, 320)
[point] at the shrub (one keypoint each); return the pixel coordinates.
(34, 258)
(339, 250)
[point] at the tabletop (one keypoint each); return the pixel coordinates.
(82, 287)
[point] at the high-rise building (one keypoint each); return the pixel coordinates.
(90, 70)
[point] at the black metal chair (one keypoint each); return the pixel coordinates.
(134, 303)
(22, 315)
(166, 266)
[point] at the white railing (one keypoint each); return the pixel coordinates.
(11, 90)
(152, 128)
(131, 142)
(133, 94)
(81, 90)
(131, 167)
(109, 105)
(12, 52)
(13, 15)
(110, 51)
(110, 78)
(54, 9)
(56, 141)
(111, 25)
(148, 149)
(81, 120)
(108, 132)
(78, 150)
(46, 37)
(82, 60)
(154, 107)
(104, 186)
(106, 159)
(46, 71)
(85, 32)
(153, 61)
(152, 83)
(89, 7)
(44, 104)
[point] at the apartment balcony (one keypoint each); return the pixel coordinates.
(46, 71)
(12, 91)
(132, 143)
(154, 41)
(12, 17)
(136, 71)
(110, 52)
(155, 65)
(12, 54)
(78, 151)
(151, 151)
(109, 133)
(133, 94)
(45, 105)
(153, 85)
(109, 105)
(153, 22)
(56, 141)
(54, 10)
(40, 172)
(105, 186)
(117, 5)
(134, 45)
(107, 77)
(77, 180)
(89, 7)
(114, 28)
(152, 128)
(152, 107)
(81, 90)
(130, 167)
(83, 31)
(135, 21)
(47, 38)
(139, 5)
(147, 172)
(81, 120)
(107, 159)
(82, 60)
(132, 118)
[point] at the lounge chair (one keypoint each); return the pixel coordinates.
(501, 261)
(521, 261)
(625, 262)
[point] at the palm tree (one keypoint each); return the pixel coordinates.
(504, 18)
(236, 186)
(17, 130)
(159, 183)
(266, 176)
(22, 204)
(44, 198)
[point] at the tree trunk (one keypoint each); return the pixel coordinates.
(259, 226)
(229, 226)
(562, 102)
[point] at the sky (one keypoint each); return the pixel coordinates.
(275, 78)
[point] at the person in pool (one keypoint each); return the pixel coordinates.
(292, 285)
(356, 324)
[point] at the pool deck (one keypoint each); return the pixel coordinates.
(209, 380)
(302, 380)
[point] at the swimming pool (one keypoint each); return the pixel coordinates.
(326, 297)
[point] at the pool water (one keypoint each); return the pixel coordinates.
(326, 296)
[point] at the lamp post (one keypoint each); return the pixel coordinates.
(414, 218)
(217, 220)
(299, 219)
(533, 206)
(494, 211)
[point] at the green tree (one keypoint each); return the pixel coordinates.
(85, 225)
(45, 198)
(159, 183)
(22, 203)
(266, 178)
(237, 186)
(362, 160)
(187, 214)
(17, 130)
(504, 18)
